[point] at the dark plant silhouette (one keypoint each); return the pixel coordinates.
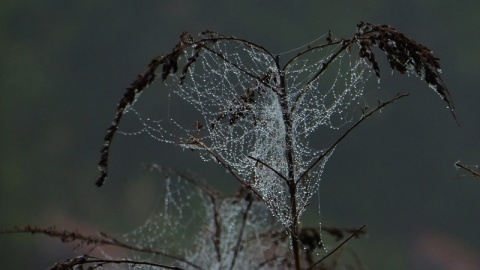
(256, 116)
(230, 232)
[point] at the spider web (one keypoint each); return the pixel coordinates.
(198, 228)
(235, 89)
(234, 103)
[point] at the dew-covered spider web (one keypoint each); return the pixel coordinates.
(263, 117)
(241, 94)
(196, 227)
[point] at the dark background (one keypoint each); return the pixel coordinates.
(64, 65)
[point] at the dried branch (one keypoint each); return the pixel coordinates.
(345, 44)
(362, 118)
(310, 49)
(355, 234)
(133, 91)
(404, 55)
(99, 263)
(218, 229)
(339, 233)
(459, 165)
(103, 239)
(238, 245)
(270, 167)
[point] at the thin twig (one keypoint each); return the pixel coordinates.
(216, 237)
(362, 118)
(240, 235)
(324, 67)
(130, 96)
(474, 173)
(338, 247)
(321, 46)
(85, 259)
(268, 166)
(104, 239)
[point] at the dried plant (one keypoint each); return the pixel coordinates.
(258, 115)
(255, 116)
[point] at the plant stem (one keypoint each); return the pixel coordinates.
(289, 154)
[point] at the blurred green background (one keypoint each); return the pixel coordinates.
(65, 64)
